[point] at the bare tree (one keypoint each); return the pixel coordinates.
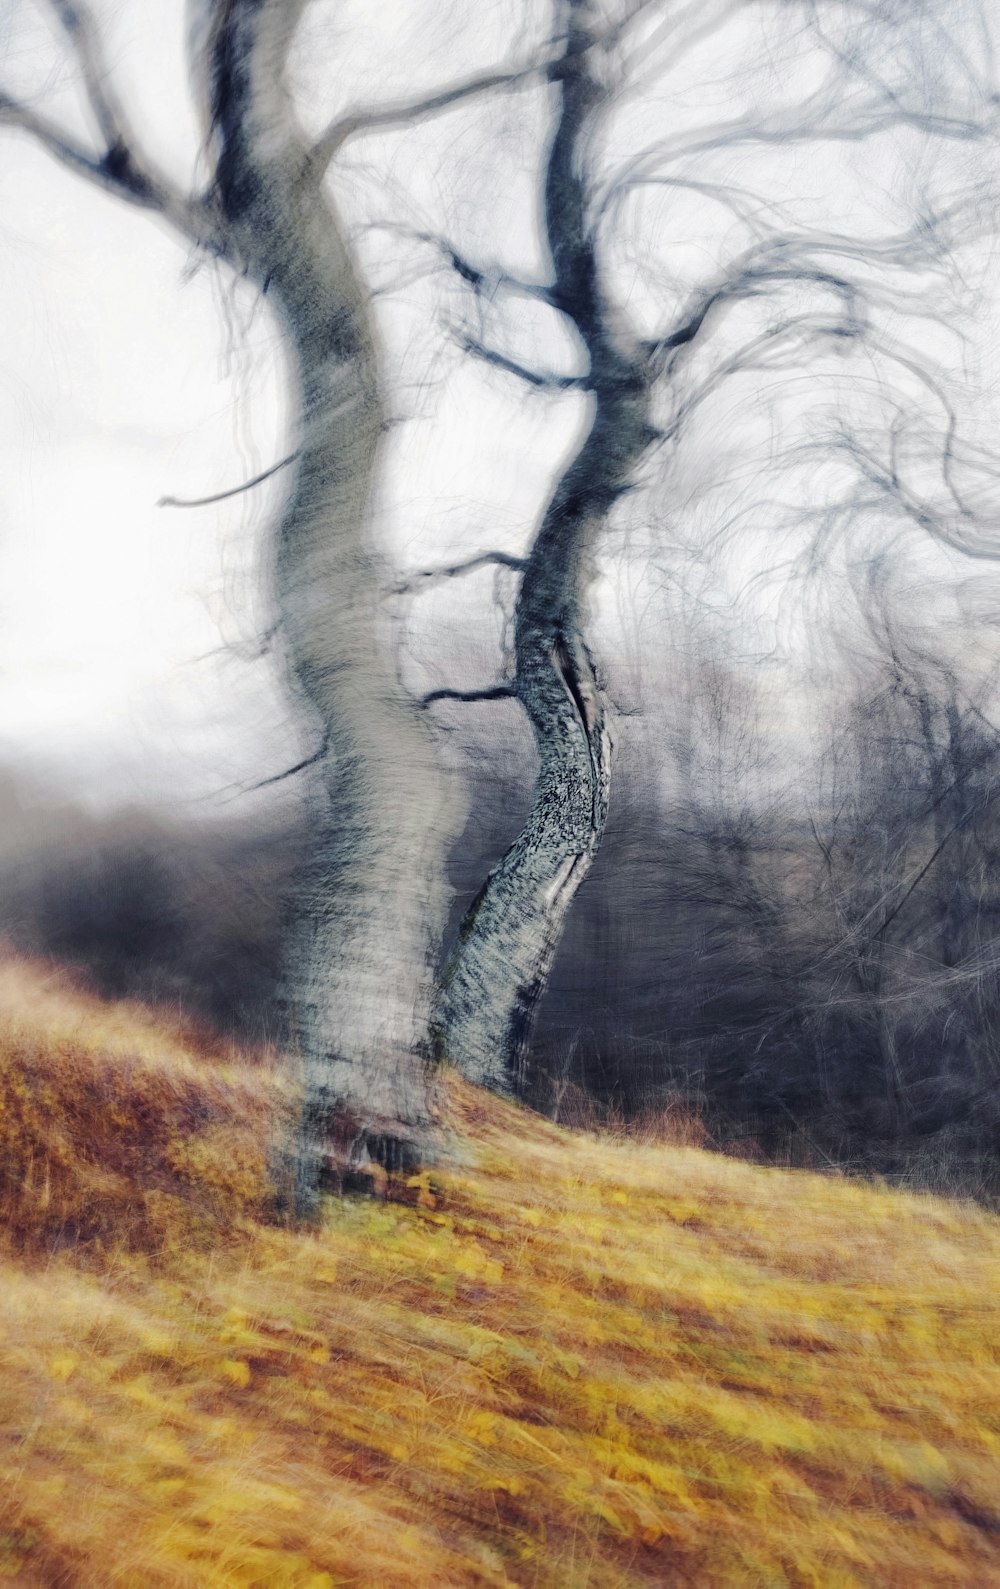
(374, 901)
(794, 324)
(501, 961)
(904, 889)
(785, 292)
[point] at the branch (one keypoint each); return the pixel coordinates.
(290, 772)
(537, 378)
(957, 531)
(78, 25)
(743, 131)
(121, 170)
(496, 692)
(233, 491)
(955, 828)
(751, 356)
(433, 576)
(855, 63)
(15, 114)
(402, 115)
(487, 279)
(824, 849)
(752, 275)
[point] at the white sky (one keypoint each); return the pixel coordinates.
(130, 370)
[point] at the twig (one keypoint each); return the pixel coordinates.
(496, 692)
(232, 491)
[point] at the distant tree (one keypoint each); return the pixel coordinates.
(909, 898)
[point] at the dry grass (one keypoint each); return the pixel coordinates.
(567, 1361)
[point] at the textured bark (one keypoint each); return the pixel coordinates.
(373, 907)
(501, 961)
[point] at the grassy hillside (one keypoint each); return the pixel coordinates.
(557, 1360)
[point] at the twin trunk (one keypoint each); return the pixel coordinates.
(373, 908)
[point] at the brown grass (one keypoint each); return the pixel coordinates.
(566, 1361)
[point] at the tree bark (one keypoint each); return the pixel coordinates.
(500, 963)
(372, 909)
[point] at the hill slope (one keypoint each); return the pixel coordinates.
(562, 1361)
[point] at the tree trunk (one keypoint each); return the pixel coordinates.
(501, 961)
(373, 907)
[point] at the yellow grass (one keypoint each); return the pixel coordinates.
(565, 1361)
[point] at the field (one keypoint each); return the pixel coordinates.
(556, 1360)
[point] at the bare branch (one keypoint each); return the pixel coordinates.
(488, 279)
(542, 381)
(855, 62)
(748, 280)
(743, 132)
(753, 355)
(705, 16)
(433, 576)
(79, 27)
(886, 477)
(233, 491)
(496, 692)
(122, 169)
(403, 115)
(55, 142)
(960, 527)
(963, 820)
(289, 772)
(824, 849)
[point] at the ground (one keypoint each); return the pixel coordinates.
(558, 1359)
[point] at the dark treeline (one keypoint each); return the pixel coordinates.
(817, 978)
(182, 915)
(814, 974)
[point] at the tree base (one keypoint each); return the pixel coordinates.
(338, 1154)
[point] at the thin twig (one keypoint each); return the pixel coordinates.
(496, 692)
(232, 491)
(290, 772)
(542, 381)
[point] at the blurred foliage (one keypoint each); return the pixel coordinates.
(555, 1359)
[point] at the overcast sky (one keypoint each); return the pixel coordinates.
(131, 370)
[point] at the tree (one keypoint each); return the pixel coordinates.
(373, 904)
(783, 291)
(500, 964)
(763, 398)
(905, 898)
